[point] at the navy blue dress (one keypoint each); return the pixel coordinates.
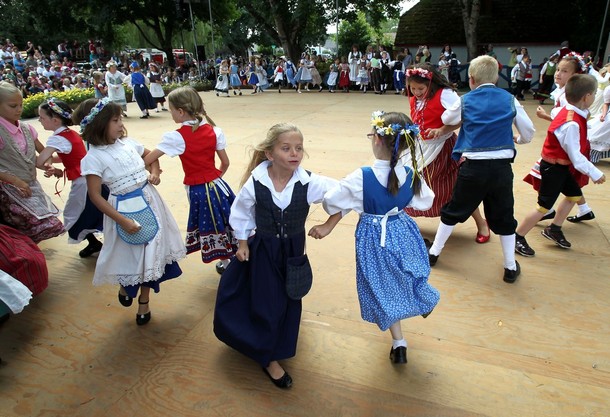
(143, 97)
(253, 313)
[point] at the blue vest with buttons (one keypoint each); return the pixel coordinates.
(487, 118)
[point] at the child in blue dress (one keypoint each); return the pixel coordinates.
(392, 265)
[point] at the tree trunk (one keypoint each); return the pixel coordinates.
(470, 15)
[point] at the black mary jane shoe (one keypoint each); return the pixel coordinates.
(142, 319)
(90, 249)
(220, 268)
(284, 382)
(125, 300)
(398, 355)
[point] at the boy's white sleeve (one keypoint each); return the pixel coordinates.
(524, 124)
(569, 139)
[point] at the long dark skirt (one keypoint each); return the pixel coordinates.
(253, 314)
(144, 98)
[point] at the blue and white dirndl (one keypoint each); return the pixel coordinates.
(392, 266)
(208, 227)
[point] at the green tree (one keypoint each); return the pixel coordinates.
(295, 24)
(357, 32)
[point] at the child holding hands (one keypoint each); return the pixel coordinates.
(137, 254)
(486, 142)
(392, 266)
(23, 203)
(565, 146)
(197, 143)
(81, 218)
(254, 314)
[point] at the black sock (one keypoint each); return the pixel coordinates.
(91, 239)
(519, 237)
(555, 228)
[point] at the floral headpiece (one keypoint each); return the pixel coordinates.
(55, 107)
(419, 72)
(393, 129)
(94, 112)
(579, 59)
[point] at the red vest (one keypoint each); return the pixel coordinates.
(552, 151)
(430, 116)
(198, 159)
(72, 160)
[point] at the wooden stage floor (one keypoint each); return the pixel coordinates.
(539, 347)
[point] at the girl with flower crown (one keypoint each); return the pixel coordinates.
(392, 266)
(430, 95)
(142, 242)
(81, 218)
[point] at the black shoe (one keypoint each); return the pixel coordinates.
(556, 236)
(510, 276)
(398, 355)
(142, 319)
(432, 259)
(427, 314)
(220, 268)
(549, 215)
(144, 116)
(90, 249)
(125, 300)
(523, 249)
(285, 381)
(427, 243)
(577, 219)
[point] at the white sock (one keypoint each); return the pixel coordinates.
(583, 209)
(442, 235)
(225, 262)
(508, 249)
(399, 343)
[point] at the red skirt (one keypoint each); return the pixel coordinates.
(440, 176)
(23, 260)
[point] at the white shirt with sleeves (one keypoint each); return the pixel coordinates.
(559, 96)
(243, 210)
(348, 194)
(61, 144)
(172, 143)
(568, 136)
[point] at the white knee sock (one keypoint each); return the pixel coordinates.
(583, 209)
(508, 249)
(442, 235)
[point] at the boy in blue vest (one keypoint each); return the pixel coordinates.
(565, 158)
(487, 144)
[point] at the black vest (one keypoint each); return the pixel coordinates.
(271, 220)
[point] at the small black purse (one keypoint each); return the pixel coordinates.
(299, 277)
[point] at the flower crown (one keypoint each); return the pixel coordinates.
(419, 72)
(579, 59)
(94, 112)
(55, 108)
(394, 129)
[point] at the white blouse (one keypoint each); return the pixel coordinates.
(243, 210)
(120, 165)
(60, 143)
(172, 143)
(348, 195)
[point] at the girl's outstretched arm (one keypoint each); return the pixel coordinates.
(152, 156)
(154, 167)
(322, 230)
(224, 161)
